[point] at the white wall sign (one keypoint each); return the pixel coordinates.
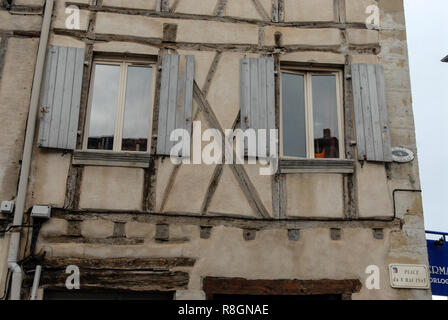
(409, 276)
(403, 155)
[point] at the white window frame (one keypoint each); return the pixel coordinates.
(121, 101)
(308, 73)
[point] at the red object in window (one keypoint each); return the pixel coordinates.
(320, 155)
(328, 145)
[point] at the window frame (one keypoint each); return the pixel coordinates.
(124, 64)
(308, 73)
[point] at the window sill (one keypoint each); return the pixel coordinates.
(111, 159)
(317, 166)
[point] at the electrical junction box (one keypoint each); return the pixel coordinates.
(7, 207)
(41, 212)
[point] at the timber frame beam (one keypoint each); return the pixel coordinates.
(136, 274)
(229, 47)
(218, 15)
(239, 286)
(237, 222)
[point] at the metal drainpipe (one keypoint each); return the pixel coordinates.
(14, 244)
(36, 282)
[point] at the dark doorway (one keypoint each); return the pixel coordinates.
(105, 295)
(282, 298)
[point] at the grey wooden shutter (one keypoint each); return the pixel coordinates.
(258, 94)
(61, 98)
(176, 99)
(372, 125)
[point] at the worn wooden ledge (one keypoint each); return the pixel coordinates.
(115, 279)
(106, 241)
(316, 166)
(31, 10)
(235, 222)
(233, 286)
(138, 274)
(115, 159)
(59, 263)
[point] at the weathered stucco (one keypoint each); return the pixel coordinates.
(315, 195)
(104, 211)
(17, 61)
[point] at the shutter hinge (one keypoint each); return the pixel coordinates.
(43, 109)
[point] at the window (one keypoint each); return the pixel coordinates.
(119, 116)
(312, 125)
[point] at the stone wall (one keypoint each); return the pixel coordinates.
(19, 34)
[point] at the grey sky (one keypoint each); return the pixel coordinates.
(105, 95)
(427, 31)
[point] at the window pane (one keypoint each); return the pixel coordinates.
(137, 109)
(325, 113)
(104, 106)
(293, 113)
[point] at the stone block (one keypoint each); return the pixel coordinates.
(363, 37)
(139, 230)
(97, 229)
(294, 235)
(54, 227)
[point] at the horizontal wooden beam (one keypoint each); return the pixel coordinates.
(139, 274)
(238, 286)
(229, 221)
(126, 280)
(218, 16)
(116, 159)
(316, 166)
(113, 241)
(228, 47)
(55, 263)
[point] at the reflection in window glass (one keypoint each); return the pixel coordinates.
(325, 116)
(293, 114)
(137, 109)
(103, 109)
